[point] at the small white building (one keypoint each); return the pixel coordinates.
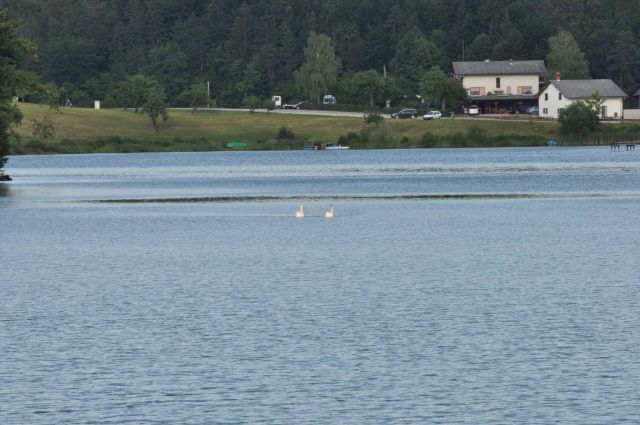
(561, 93)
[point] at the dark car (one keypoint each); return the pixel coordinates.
(405, 113)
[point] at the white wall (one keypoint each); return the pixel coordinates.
(631, 114)
(506, 82)
(549, 108)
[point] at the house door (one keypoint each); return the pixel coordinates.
(603, 112)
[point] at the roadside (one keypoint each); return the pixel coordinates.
(493, 117)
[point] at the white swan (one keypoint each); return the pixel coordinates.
(329, 214)
(300, 212)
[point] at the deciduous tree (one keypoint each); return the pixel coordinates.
(367, 86)
(320, 69)
(196, 96)
(565, 57)
(12, 50)
(155, 106)
(578, 118)
(440, 88)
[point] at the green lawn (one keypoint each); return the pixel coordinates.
(116, 130)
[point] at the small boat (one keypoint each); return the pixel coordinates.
(335, 147)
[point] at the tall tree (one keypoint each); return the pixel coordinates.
(440, 88)
(13, 49)
(197, 96)
(133, 92)
(414, 56)
(479, 49)
(623, 61)
(155, 106)
(565, 57)
(320, 70)
(367, 86)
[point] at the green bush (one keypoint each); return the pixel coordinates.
(285, 134)
(429, 140)
(578, 118)
(373, 117)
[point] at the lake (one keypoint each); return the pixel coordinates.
(453, 286)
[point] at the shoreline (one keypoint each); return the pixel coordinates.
(85, 131)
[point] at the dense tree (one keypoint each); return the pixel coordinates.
(414, 56)
(365, 86)
(480, 48)
(622, 60)
(319, 72)
(442, 89)
(578, 118)
(12, 50)
(565, 57)
(133, 92)
(197, 96)
(255, 46)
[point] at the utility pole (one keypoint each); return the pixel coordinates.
(208, 95)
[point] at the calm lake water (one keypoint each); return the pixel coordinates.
(469, 286)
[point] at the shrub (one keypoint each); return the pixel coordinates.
(578, 118)
(429, 140)
(251, 102)
(269, 105)
(373, 117)
(43, 128)
(285, 134)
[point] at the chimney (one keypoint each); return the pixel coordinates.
(557, 75)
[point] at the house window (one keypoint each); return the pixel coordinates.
(545, 111)
(546, 96)
(476, 91)
(559, 96)
(524, 90)
(498, 82)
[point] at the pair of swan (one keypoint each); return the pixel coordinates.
(327, 214)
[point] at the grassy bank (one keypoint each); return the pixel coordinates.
(80, 130)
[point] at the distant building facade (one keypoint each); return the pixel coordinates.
(502, 86)
(561, 93)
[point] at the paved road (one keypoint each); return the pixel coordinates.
(304, 112)
(523, 117)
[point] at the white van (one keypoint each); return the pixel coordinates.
(329, 99)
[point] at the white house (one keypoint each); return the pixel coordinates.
(561, 93)
(501, 86)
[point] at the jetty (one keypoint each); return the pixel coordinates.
(630, 146)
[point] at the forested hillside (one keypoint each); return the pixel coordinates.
(87, 47)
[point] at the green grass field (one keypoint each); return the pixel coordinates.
(79, 130)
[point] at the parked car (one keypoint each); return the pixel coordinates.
(302, 104)
(329, 99)
(533, 110)
(474, 110)
(405, 113)
(432, 115)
